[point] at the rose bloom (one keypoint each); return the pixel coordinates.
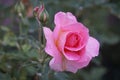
(70, 44)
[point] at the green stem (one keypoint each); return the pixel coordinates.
(40, 35)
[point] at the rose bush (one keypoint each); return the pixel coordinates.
(69, 44)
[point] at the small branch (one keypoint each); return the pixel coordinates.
(39, 34)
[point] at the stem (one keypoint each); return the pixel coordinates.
(20, 31)
(20, 28)
(20, 25)
(40, 34)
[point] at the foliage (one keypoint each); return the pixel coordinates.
(20, 58)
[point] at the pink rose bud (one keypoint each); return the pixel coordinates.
(43, 17)
(69, 44)
(35, 11)
(41, 13)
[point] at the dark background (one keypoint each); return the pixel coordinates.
(19, 57)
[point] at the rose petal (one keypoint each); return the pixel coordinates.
(79, 28)
(76, 27)
(69, 41)
(61, 41)
(56, 64)
(62, 64)
(64, 19)
(50, 45)
(56, 32)
(73, 66)
(70, 55)
(71, 17)
(73, 55)
(92, 47)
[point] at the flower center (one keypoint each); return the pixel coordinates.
(72, 40)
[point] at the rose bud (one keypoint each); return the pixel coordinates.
(19, 7)
(41, 14)
(35, 11)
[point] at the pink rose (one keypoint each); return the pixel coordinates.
(69, 44)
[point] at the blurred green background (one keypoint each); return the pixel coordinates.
(19, 56)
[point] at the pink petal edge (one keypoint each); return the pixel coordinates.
(50, 45)
(92, 47)
(56, 64)
(73, 66)
(62, 19)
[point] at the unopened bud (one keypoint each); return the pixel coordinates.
(19, 7)
(41, 14)
(43, 17)
(35, 11)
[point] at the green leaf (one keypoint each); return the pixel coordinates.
(31, 70)
(9, 39)
(33, 54)
(4, 28)
(26, 47)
